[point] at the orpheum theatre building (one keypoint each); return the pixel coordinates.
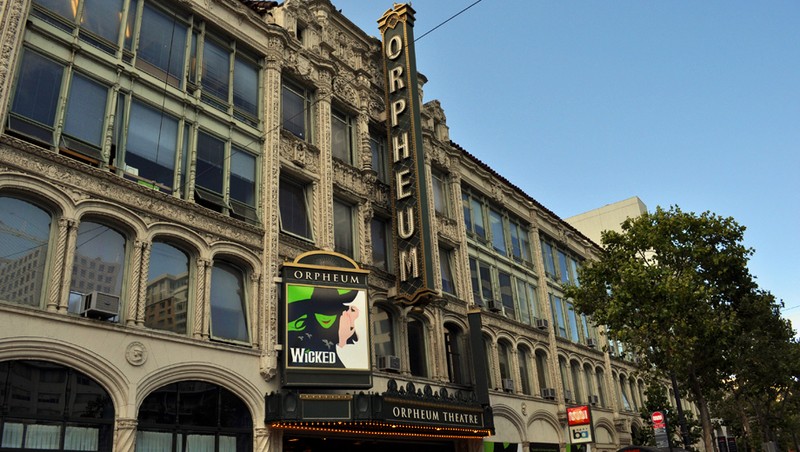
(233, 225)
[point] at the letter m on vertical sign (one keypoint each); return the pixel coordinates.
(412, 218)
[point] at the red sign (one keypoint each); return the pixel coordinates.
(578, 415)
(658, 419)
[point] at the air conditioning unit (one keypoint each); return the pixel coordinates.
(493, 306)
(100, 305)
(568, 396)
(508, 385)
(549, 393)
(591, 342)
(541, 324)
(389, 362)
(594, 400)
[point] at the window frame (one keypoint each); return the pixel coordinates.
(305, 190)
(346, 125)
(352, 233)
(306, 100)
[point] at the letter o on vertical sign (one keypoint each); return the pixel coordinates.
(394, 47)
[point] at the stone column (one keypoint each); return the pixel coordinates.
(203, 290)
(125, 435)
(54, 292)
(69, 257)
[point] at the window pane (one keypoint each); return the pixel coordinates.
(210, 156)
(343, 228)
(516, 248)
(340, 137)
(477, 218)
(558, 316)
(448, 286)
(416, 348)
(294, 209)
(474, 279)
(486, 282)
(439, 196)
(562, 264)
(506, 294)
(86, 110)
(574, 333)
(293, 111)
(152, 144)
(378, 147)
(38, 85)
(23, 251)
(465, 207)
(162, 42)
(64, 8)
(99, 260)
(504, 360)
(382, 333)
(102, 17)
(524, 362)
(380, 244)
(243, 176)
(228, 304)
(498, 232)
(522, 294)
(216, 69)
(166, 299)
(547, 256)
(245, 86)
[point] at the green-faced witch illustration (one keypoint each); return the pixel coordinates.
(327, 327)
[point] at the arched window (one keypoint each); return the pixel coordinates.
(99, 264)
(24, 235)
(588, 379)
(523, 356)
(489, 359)
(416, 348)
(565, 380)
(456, 350)
(600, 382)
(383, 332)
(577, 382)
(542, 370)
(167, 294)
(504, 363)
(228, 303)
(623, 393)
(52, 407)
(196, 416)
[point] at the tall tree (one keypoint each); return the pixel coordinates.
(669, 285)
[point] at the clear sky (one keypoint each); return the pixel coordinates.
(585, 103)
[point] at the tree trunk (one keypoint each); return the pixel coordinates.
(705, 418)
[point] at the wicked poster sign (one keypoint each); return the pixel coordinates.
(325, 312)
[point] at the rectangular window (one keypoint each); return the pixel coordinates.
(343, 231)
(558, 316)
(506, 294)
(573, 271)
(216, 70)
(210, 160)
(342, 136)
(296, 110)
(162, 42)
(243, 184)
(498, 232)
(520, 246)
(151, 147)
(574, 332)
(381, 232)
(475, 280)
(440, 197)
(524, 303)
(295, 218)
(33, 110)
(549, 259)
(445, 265)
(86, 113)
(477, 218)
(487, 292)
(562, 266)
(377, 145)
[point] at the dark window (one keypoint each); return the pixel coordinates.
(342, 136)
(380, 244)
(210, 160)
(455, 347)
(416, 348)
(97, 244)
(344, 240)
(194, 415)
(167, 286)
(24, 238)
(152, 145)
(445, 266)
(294, 209)
(36, 97)
(228, 303)
(162, 41)
(383, 332)
(52, 407)
(296, 110)
(377, 145)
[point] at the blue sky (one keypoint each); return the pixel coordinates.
(585, 103)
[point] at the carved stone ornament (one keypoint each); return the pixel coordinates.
(136, 354)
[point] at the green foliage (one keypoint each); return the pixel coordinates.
(657, 400)
(676, 289)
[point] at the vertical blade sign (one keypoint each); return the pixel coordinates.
(412, 229)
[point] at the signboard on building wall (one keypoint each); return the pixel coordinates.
(579, 421)
(325, 322)
(412, 217)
